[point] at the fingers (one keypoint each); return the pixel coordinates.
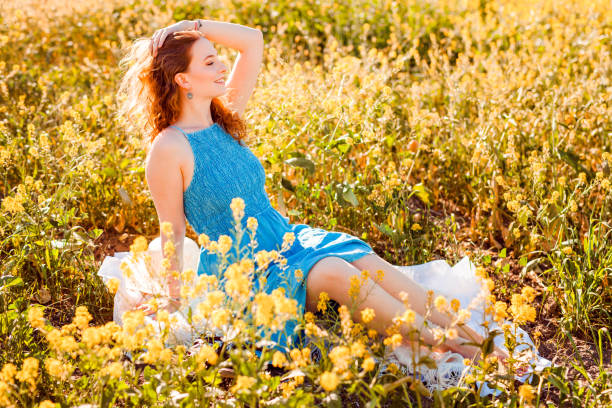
(157, 41)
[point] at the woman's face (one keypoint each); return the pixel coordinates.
(206, 68)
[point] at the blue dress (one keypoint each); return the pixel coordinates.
(224, 169)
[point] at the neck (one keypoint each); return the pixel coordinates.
(195, 113)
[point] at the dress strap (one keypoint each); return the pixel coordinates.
(181, 130)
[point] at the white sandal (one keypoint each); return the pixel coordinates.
(448, 372)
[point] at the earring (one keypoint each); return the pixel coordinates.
(189, 95)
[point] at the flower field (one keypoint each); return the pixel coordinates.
(430, 129)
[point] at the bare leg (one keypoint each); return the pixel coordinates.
(394, 282)
(332, 275)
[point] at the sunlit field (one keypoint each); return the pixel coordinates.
(430, 129)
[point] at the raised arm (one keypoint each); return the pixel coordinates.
(250, 44)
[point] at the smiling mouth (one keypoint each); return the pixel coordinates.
(220, 82)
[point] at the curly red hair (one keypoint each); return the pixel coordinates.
(151, 96)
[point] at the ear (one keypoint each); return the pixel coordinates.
(181, 81)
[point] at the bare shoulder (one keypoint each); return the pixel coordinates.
(169, 145)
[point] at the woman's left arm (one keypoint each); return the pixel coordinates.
(250, 43)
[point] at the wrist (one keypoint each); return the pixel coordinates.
(198, 23)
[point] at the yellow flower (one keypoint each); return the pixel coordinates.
(367, 314)
(369, 364)
(166, 228)
(237, 206)
(463, 316)
(36, 317)
(500, 311)
(252, 223)
(441, 303)
(455, 304)
(112, 285)
(203, 240)
(394, 340)
(207, 353)
(323, 299)
(220, 317)
(406, 318)
(188, 275)
(8, 373)
(355, 286)
(82, 317)
(416, 227)
(279, 359)
(47, 404)
(341, 357)
(243, 383)
(526, 392)
(113, 370)
(329, 381)
(451, 333)
(58, 369)
(139, 245)
(224, 243)
(288, 239)
(357, 349)
(528, 293)
(29, 372)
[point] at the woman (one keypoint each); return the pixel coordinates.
(197, 163)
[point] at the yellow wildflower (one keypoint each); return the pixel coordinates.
(112, 285)
(8, 373)
(29, 372)
(369, 364)
(82, 317)
(207, 354)
(441, 303)
(36, 317)
(139, 245)
(455, 304)
(329, 381)
(323, 299)
(243, 383)
(252, 223)
(341, 357)
(166, 228)
(526, 391)
(367, 315)
(225, 243)
(237, 206)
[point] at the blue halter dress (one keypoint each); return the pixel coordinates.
(224, 169)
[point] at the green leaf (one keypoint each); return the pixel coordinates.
(8, 281)
(287, 184)
(523, 261)
(502, 254)
(349, 195)
(302, 162)
(421, 192)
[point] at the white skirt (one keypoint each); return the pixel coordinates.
(459, 282)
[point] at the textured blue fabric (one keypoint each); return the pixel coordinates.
(224, 169)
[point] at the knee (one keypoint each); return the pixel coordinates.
(327, 274)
